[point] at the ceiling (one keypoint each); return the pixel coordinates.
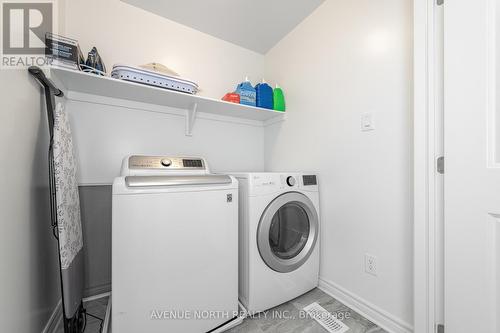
(257, 25)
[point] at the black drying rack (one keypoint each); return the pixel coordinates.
(76, 322)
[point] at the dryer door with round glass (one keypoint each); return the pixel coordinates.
(288, 231)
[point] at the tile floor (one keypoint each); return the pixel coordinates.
(285, 318)
(278, 319)
(97, 308)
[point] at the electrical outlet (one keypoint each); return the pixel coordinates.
(371, 264)
(367, 122)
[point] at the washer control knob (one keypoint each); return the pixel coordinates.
(166, 162)
(291, 181)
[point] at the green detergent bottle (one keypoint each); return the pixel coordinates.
(279, 99)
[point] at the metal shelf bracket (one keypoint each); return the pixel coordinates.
(190, 119)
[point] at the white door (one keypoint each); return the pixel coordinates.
(472, 172)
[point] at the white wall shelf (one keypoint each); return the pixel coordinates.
(81, 84)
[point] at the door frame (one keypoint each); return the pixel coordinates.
(424, 152)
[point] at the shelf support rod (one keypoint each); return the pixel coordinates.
(190, 119)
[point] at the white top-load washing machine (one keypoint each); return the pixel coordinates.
(174, 246)
(278, 237)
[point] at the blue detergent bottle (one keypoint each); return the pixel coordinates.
(247, 93)
(264, 95)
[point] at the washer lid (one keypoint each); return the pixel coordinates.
(287, 232)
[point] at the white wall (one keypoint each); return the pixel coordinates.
(347, 58)
(29, 275)
(127, 34)
(118, 131)
(104, 132)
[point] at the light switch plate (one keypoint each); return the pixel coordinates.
(367, 122)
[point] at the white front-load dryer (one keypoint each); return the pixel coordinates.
(278, 237)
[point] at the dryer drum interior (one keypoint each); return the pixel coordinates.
(288, 231)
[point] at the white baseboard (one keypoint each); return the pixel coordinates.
(54, 319)
(56, 316)
(107, 316)
(94, 297)
(370, 311)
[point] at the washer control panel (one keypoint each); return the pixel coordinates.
(309, 180)
(164, 162)
(263, 183)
